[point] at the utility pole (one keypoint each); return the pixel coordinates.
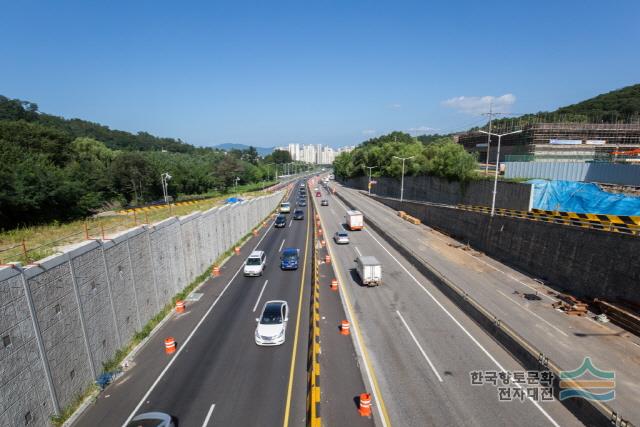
(402, 180)
(370, 167)
(490, 114)
(165, 185)
(495, 180)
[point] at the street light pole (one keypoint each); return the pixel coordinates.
(495, 180)
(165, 191)
(402, 180)
(370, 167)
(235, 184)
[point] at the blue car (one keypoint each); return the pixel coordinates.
(289, 259)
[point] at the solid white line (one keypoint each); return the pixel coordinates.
(184, 345)
(281, 245)
(260, 296)
(532, 313)
(484, 350)
(206, 420)
(415, 340)
(357, 250)
(290, 222)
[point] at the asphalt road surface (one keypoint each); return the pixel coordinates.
(418, 348)
(221, 377)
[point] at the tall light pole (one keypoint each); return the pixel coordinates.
(495, 180)
(370, 167)
(235, 184)
(491, 113)
(165, 190)
(402, 181)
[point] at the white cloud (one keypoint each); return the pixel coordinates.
(480, 104)
(423, 129)
(395, 106)
(369, 132)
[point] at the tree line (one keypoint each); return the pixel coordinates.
(53, 169)
(439, 156)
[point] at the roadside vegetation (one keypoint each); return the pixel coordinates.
(439, 156)
(56, 169)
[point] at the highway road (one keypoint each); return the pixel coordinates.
(220, 376)
(418, 349)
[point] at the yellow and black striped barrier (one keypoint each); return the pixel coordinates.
(612, 223)
(313, 363)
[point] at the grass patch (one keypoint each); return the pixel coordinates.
(59, 420)
(42, 241)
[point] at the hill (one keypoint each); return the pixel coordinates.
(619, 103)
(262, 151)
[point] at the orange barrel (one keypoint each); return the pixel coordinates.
(365, 405)
(334, 284)
(327, 259)
(322, 243)
(237, 250)
(169, 345)
(179, 306)
(216, 271)
(344, 327)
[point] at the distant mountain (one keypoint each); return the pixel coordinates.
(263, 151)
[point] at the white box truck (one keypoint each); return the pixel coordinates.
(370, 270)
(354, 220)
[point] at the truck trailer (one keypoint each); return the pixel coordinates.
(354, 220)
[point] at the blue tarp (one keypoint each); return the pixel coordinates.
(234, 200)
(581, 197)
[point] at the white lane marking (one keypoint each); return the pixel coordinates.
(281, 245)
(260, 296)
(534, 314)
(333, 212)
(186, 341)
(415, 340)
(357, 250)
(290, 222)
(206, 420)
(475, 341)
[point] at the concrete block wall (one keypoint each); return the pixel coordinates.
(584, 262)
(510, 195)
(63, 317)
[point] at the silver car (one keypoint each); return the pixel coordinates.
(152, 419)
(341, 237)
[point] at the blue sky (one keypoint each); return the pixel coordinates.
(337, 72)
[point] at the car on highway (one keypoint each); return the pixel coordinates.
(298, 214)
(285, 207)
(272, 323)
(341, 237)
(302, 203)
(152, 419)
(281, 221)
(254, 265)
(289, 259)
(324, 202)
(318, 194)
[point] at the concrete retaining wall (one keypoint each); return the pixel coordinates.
(510, 195)
(609, 173)
(63, 317)
(584, 262)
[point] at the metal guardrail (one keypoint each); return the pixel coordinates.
(612, 223)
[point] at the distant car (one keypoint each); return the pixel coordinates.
(341, 237)
(298, 214)
(272, 323)
(281, 221)
(152, 419)
(254, 266)
(289, 259)
(318, 194)
(324, 202)
(302, 185)
(302, 203)
(285, 207)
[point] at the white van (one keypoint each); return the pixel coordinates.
(254, 266)
(285, 207)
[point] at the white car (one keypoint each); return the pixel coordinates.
(285, 207)
(254, 266)
(341, 237)
(272, 323)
